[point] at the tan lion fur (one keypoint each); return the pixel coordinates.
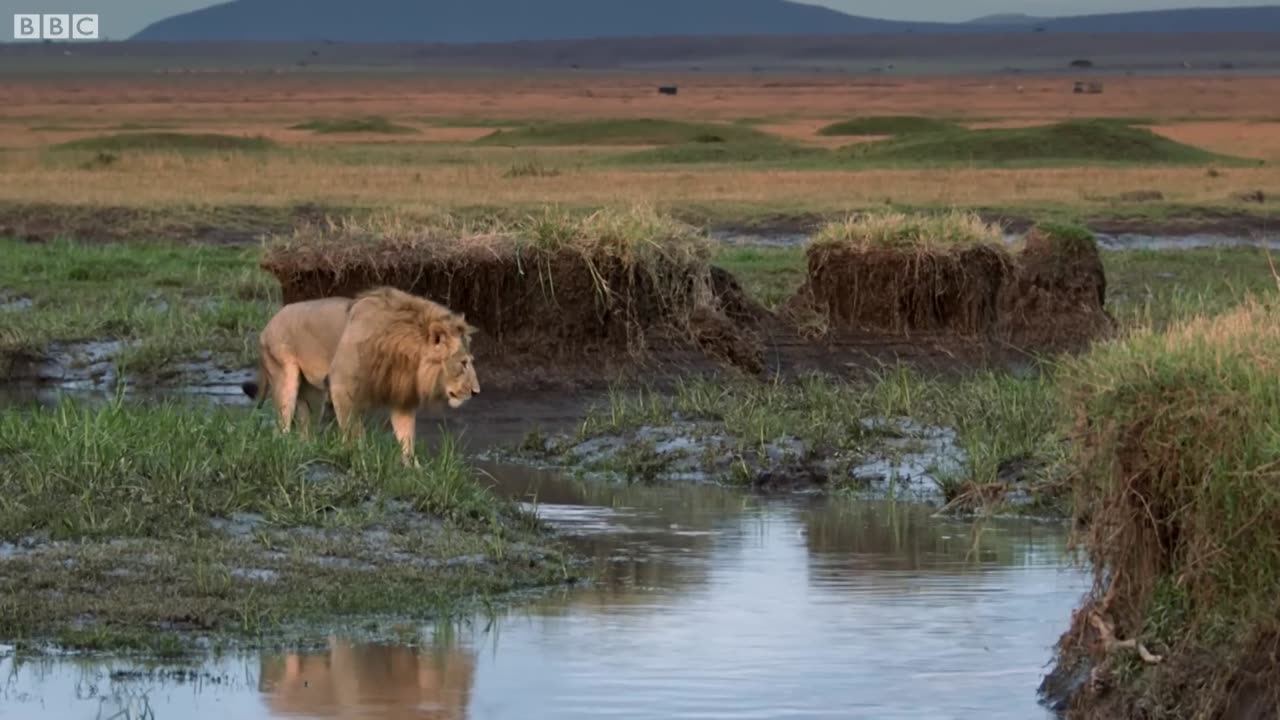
(399, 351)
(295, 348)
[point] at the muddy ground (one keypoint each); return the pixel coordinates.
(249, 224)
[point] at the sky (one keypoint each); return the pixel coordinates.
(121, 18)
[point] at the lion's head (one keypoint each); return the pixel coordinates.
(408, 345)
(453, 380)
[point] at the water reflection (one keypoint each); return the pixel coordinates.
(369, 681)
(710, 604)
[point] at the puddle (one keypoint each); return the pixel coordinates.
(710, 604)
(10, 302)
(73, 366)
(1134, 241)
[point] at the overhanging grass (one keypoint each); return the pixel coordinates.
(920, 231)
(167, 141)
(643, 131)
(1177, 486)
(136, 526)
(1071, 142)
(888, 125)
(372, 124)
(635, 234)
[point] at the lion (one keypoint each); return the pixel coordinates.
(401, 352)
(297, 346)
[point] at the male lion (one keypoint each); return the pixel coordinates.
(297, 346)
(294, 353)
(399, 351)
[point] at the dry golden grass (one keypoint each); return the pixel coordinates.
(246, 98)
(1245, 139)
(145, 179)
(438, 166)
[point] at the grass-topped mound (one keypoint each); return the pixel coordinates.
(1177, 487)
(170, 141)
(888, 125)
(641, 131)
(893, 272)
(550, 285)
(952, 273)
(1077, 141)
(127, 526)
(1058, 295)
(372, 124)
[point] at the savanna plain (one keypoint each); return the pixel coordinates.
(987, 297)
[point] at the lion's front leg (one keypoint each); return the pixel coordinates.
(346, 413)
(403, 422)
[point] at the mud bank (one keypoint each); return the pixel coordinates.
(1050, 296)
(1175, 496)
(611, 285)
(898, 459)
(170, 528)
(612, 297)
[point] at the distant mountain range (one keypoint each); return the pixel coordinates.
(482, 21)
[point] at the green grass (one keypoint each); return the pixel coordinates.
(1066, 143)
(888, 125)
(168, 303)
(764, 150)
(768, 275)
(624, 132)
(142, 494)
(168, 141)
(373, 124)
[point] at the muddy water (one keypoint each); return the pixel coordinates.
(710, 604)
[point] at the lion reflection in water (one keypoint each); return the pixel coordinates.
(370, 682)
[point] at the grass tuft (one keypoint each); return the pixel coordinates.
(898, 230)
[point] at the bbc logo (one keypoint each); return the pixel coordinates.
(55, 27)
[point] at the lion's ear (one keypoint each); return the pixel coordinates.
(438, 333)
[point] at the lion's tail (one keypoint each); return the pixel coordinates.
(257, 390)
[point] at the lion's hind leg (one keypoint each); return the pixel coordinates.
(285, 384)
(310, 410)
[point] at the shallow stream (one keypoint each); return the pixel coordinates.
(711, 604)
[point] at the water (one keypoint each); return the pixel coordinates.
(712, 605)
